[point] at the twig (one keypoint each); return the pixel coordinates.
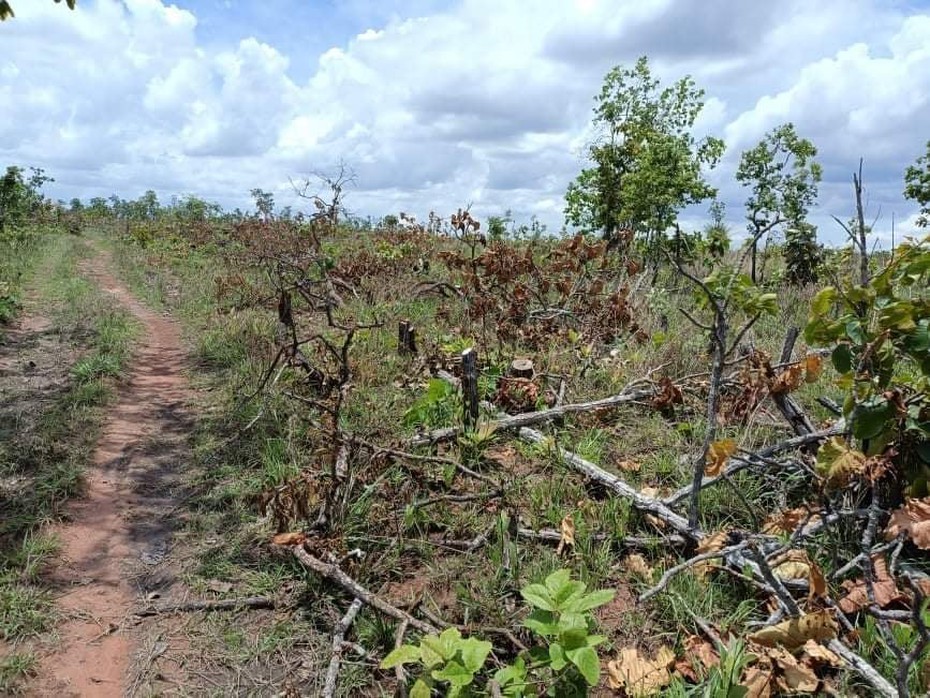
(253, 602)
(672, 572)
(531, 418)
(332, 672)
(399, 669)
(334, 574)
(863, 668)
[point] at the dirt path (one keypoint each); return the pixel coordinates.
(115, 549)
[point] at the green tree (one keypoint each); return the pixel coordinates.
(783, 176)
(6, 11)
(717, 232)
(20, 197)
(917, 186)
(646, 163)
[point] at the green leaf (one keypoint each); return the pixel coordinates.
(593, 600)
(512, 673)
(869, 419)
(557, 580)
(450, 638)
(855, 332)
(595, 640)
(538, 596)
(474, 653)
(420, 689)
(431, 651)
(405, 654)
(557, 658)
(587, 662)
(541, 623)
(842, 358)
(453, 673)
(823, 301)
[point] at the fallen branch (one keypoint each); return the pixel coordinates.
(863, 668)
(650, 505)
(738, 463)
(253, 602)
(335, 574)
(339, 634)
(509, 422)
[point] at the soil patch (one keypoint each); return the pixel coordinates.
(116, 549)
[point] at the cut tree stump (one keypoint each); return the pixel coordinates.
(470, 387)
(406, 338)
(522, 368)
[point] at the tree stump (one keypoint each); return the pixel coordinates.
(470, 387)
(522, 368)
(406, 338)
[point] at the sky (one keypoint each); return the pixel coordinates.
(441, 104)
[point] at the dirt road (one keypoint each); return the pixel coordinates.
(116, 547)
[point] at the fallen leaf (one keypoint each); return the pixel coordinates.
(913, 519)
(788, 521)
(793, 633)
(568, 534)
(215, 585)
(718, 453)
(713, 542)
(629, 466)
(757, 682)
(292, 538)
(795, 677)
(885, 589)
(796, 564)
(640, 676)
(813, 367)
(821, 655)
(637, 565)
(701, 649)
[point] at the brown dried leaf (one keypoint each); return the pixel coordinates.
(821, 655)
(795, 632)
(629, 466)
(788, 380)
(718, 454)
(636, 564)
(292, 538)
(713, 542)
(640, 676)
(758, 682)
(788, 521)
(913, 519)
(885, 588)
(796, 564)
(702, 650)
(568, 534)
(795, 677)
(813, 367)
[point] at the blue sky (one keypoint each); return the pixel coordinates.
(437, 105)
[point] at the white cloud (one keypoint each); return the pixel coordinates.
(483, 102)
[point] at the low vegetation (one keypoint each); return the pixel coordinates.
(677, 467)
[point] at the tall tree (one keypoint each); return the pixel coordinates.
(6, 11)
(783, 177)
(917, 186)
(646, 163)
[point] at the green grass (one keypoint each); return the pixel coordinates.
(47, 461)
(14, 668)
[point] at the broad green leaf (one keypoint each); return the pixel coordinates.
(543, 626)
(842, 358)
(557, 580)
(474, 653)
(586, 660)
(898, 316)
(420, 689)
(405, 654)
(855, 332)
(593, 600)
(869, 419)
(538, 596)
(453, 673)
(595, 640)
(557, 658)
(823, 301)
(431, 651)
(512, 673)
